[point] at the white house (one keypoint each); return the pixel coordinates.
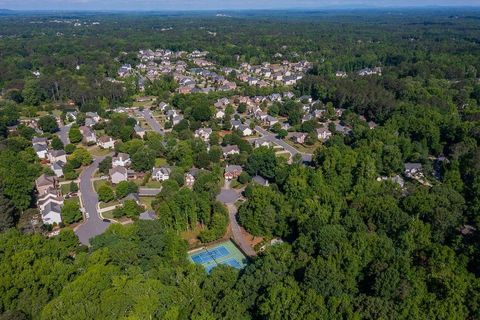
(88, 134)
(106, 142)
(161, 174)
(57, 168)
(57, 155)
(52, 213)
(118, 174)
(323, 134)
(245, 130)
(220, 114)
(230, 150)
(203, 133)
(262, 142)
(93, 115)
(121, 160)
(41, 150)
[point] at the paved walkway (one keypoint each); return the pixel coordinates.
(228, 196)
(93, 224)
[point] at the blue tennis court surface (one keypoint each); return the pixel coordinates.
(225, 253)
(232, 263)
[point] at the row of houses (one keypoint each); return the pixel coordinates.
(49, 199)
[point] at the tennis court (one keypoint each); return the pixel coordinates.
(225, 253)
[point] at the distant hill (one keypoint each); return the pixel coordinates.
(5, 12)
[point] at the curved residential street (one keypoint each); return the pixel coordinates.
(306, 157)
(94, 224)
(152, 122)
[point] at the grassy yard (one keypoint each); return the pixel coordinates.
(108, 204)
(303, 147)
(160, 162)
(74, 200)
(65, 189)
(108, 214)
(99, 152)
(98, 183)
(153, 184)
(284, 155)
(147, 202)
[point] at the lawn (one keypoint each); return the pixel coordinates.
(108, 204)
(284, 155)
(147, 202)
(108, 214)
(153, 184)
(98, 183)
(99, 152)
(160, 162)
(303, 147)
(65, 188)
(73, 199)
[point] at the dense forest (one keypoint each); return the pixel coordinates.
(356, 246)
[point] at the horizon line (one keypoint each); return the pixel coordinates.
(331, 7)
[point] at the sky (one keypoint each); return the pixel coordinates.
(160, 5)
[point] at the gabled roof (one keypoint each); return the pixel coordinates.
(45, 180)
(119, 170)
(233, 168)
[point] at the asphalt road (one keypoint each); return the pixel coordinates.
(306, 157)
(63, 134)
(93, 225)
(152, 122)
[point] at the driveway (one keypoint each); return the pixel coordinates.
(306, 157)
(63, 134)
(152, 122)
(93, 224)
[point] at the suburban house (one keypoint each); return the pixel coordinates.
(118, 174)
(93, 115)
(245, 130)
(44, 182)
(270, 121)
(162, 106)
(161, 174)
(148, 215)
(220, 114)
(139, 131)
(235, 123)
(298, 137)
(203, 133)
(88, 134)
(52, 214)
(261, 181)
(50, 195)
(190, 177)
(71, 116)
(262, 142)
(41, 150)
(230, 150)
(57, 155)
(341, 74)
(57, 168)
(121, 160)
(323, 134)
(232, 172)
(413, 170)
(176, 119)
(106, 142)
(372, 125)
(40, 141)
